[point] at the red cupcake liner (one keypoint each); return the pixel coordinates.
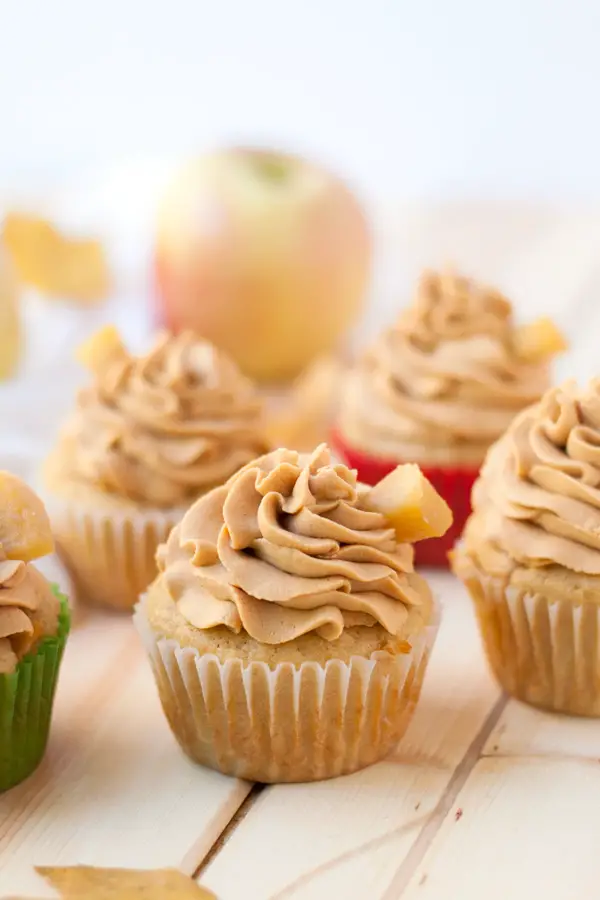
(454, 485)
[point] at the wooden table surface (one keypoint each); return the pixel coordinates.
(483, 798)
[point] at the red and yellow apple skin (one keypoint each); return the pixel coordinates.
(264, 254)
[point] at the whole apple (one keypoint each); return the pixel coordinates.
(266, 255)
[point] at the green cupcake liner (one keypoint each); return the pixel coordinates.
(26, 699)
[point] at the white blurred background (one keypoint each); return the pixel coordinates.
(418, 100)
(490, 108)
(470, 130)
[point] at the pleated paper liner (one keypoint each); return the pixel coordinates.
(110, 552)
(26, 700)
(543, 651)
(452, 483)
(287, 723)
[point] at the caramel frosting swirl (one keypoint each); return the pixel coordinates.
(287, 547)
(445, 381)
(165, 427)
(537, 502)
(24, 592)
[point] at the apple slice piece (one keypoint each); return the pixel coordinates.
(538, 341)
(25, 531)
(56, 265)
(411, 504)
(10, 319)
(103, 347)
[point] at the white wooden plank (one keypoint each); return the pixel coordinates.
(525, 731)
(518, 829)
(347, 837)
(105, 643)
(115, 789)
(307, 840)
(459, 689)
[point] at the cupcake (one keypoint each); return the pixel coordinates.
(530, 556)
(287, 629)
(34, 623)
(439, 387)
(148, 436)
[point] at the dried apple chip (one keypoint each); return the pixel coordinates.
(54, 264)
(411, 504)
(84, 271)
(103, 347)
(10, 322)
(25, 531)
(538, 341)
(90, 883)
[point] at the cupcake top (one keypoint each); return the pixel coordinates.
(288, 546)
(160, 429)
(28, 606)
(447, 379)
(537, 501)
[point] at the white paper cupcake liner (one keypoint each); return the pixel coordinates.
(544, 651)
(286, 723)
(110, 553)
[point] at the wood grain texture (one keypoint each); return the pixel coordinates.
(519, 829)
(349, 837)
(459, 690)
(114, 788)
(525, 731)
(483, 798)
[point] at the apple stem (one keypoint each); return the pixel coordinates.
(273, 168)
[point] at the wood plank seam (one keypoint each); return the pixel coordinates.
(455, 784)
(545, 757)
(425, 760)
(529, 830)
(95, 697)
(229, 827)
(307, 877)
(415, 855)
(223, 822)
